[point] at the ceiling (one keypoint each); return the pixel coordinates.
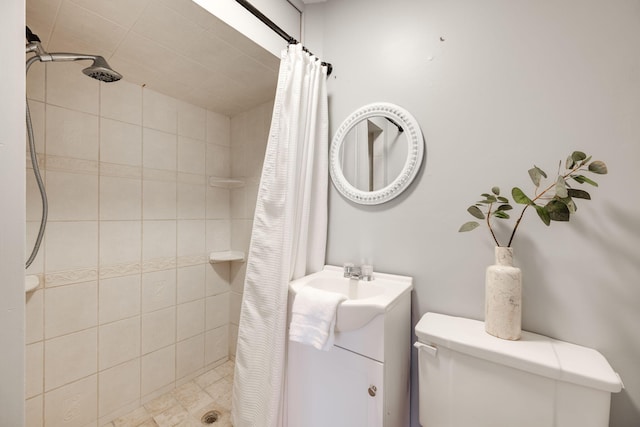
(171, 46)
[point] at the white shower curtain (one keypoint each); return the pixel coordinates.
(288, 238)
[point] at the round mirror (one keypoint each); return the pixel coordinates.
(376, 153)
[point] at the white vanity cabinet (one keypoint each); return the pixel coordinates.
(363, 381)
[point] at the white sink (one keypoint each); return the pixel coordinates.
(365, 300)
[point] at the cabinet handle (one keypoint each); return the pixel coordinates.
(372, 391)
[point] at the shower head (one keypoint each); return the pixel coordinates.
(100, 70)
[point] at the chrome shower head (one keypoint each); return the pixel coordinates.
(100, 70)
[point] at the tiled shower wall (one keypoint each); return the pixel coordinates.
(130, 307)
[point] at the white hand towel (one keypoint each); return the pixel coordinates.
(313, 317)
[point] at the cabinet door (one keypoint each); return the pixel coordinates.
(335, 388)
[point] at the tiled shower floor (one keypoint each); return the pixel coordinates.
(185, 406)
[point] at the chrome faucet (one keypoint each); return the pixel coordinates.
(364, 273)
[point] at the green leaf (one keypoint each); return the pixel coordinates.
(505, 207)
(598, 167)
(490, 198)
(570, 163)
(557, 210)
(585, 161)
(582, 179)
(578, 194)
(535, 176)
(503, 199)
(561, 188)
(543, 214)
(475, 211)
(578, 155)
(496, 191)
(570, 204)
(468, 226)
(520, 197)
(501, 214)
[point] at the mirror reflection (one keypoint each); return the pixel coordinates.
(373, 153)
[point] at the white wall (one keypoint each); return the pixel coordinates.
(498, 86)
(12, 186)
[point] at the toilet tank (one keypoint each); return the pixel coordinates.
(470, 378)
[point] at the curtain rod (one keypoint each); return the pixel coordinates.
(282, 33)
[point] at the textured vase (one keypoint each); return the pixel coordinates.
(503, 297)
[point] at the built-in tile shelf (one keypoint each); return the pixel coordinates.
(215, 181)
(31, 282)
(226, 256)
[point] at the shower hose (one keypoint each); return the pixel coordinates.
(36, 173)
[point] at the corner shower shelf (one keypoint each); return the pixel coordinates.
(225, 256)
(215, 181)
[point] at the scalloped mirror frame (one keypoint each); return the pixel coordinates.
(415, 153)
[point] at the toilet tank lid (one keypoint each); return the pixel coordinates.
(533, 353)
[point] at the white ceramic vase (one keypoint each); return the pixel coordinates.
(503, 297)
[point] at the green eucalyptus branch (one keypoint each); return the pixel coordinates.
(558, 207)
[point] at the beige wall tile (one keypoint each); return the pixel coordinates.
(218, 160)
(158, 369)
(216, 344)
(35, 81)
(75, 404)
(34, 367)
(72, 196)
(37, 113)
(70, 308)
(191, 237)
(118, 387)
(158, 200)
(218, 129)
(120, 142)
(158, 329)
(158, 290)
(159, 149)
(218, 203)
(217, 278)
(120, 198)
(191, 283)
(159, 111)
(119, 342)
(158, 239)
(218, 235)
(191, 155)
(68, 87)
(232, 339)
(119, 298)
(71, 133)
(37, 266)
(191, 319)
(71, 245)
(217, 310)
(33, 412)
(70, 357)
(34, 314)
(122, 101)
(235, 303)
(120, 242)
(192, 121)
(191, 201)
(190, 355)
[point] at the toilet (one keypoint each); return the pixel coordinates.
(470, 378)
